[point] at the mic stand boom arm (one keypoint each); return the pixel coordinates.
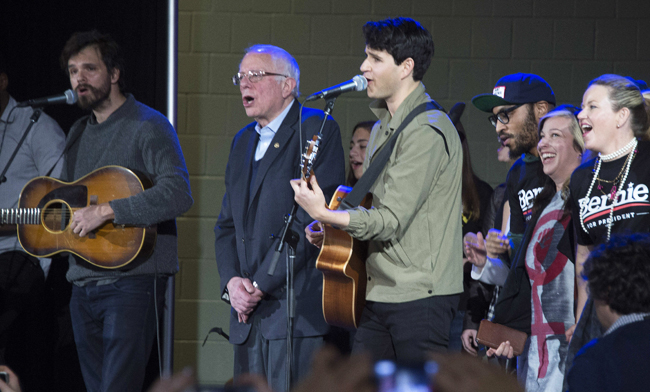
(35, 116)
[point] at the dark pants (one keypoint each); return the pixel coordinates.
(407, 331)
(258, 355)
(114, 328)
(456, 330)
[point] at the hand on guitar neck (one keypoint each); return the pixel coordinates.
(313, 202)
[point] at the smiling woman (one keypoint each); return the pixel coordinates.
(610, 192)
(546, 297)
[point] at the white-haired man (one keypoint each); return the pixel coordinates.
(264, 156)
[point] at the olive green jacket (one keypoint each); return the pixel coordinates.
(414, 226)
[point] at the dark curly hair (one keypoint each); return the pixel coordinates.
(108, 48)
(402, 38)
(618, 273)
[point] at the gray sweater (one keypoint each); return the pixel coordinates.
(139, 138)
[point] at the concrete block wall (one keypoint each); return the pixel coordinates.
(568, 42)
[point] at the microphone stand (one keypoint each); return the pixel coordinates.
(35, 116)
(329, 106)
(290, 238)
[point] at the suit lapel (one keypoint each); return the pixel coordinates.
(277, 147)
(246, 165)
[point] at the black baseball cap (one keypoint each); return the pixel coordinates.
(515, 89)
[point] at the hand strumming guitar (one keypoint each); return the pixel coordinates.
(89, 218)
(315, 234)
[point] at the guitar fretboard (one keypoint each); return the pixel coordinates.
(20, 216)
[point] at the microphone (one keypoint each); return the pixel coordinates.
(357, 83)
(69, 96)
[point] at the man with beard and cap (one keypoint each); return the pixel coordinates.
(516, 104)
(114, 310)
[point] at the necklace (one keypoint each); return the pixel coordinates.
(619, 152)
(612, 192)
(633, 143)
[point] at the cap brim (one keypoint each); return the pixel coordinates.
(487, 102)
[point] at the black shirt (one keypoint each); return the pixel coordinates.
(632, 207)
(524, 182)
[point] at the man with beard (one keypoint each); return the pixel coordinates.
(517, 103)
(114, 310)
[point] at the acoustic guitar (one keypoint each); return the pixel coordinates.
(341, 259)
(46, 206)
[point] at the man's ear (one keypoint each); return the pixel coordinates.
(407, 68)
(287, 87)
(541, 108)
(115, 75)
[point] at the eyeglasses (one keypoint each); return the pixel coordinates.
(253, 76)
(502, 116)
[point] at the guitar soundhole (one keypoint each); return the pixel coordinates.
(56, 216)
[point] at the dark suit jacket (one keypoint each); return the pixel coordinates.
(616, 362)
(247, 224)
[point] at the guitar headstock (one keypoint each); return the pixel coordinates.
(308, 158)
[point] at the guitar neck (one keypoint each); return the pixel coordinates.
(20, 216)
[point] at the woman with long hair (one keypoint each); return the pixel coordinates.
(538, 295)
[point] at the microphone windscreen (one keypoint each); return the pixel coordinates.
(361, 82)
(71, 97)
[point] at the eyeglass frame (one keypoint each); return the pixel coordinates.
(236, 79)
(493, 118)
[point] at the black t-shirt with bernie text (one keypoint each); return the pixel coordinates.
(632, 205)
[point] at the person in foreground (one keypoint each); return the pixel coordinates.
(264, 156)
(618, 279)
(114, 310)
(414, 266)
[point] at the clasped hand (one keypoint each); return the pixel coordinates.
(244, 297)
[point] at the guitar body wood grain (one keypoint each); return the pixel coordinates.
(342, 262)
(111, 246)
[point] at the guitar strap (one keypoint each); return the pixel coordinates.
(371, 174)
